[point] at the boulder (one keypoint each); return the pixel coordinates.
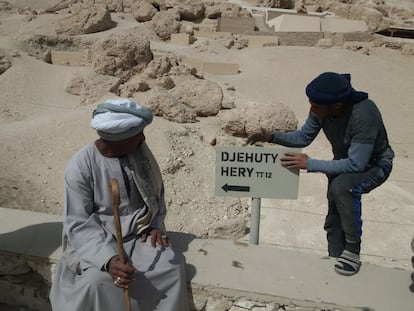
(279, 4)
(134, 85)
(163, 104)
(203, 96)
(165, 23)
(188, 9)
(165, 83)
(84, 20)
(112, 5)
(242, 122)
(143, 11)
(218, 9)
(159, 4)
(122, 55)
(160, 66)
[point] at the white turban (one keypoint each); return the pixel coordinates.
(118, 119)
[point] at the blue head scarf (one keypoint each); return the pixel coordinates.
(330, 88)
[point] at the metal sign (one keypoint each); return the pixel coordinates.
(254, 172)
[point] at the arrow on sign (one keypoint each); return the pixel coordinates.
(227, 187)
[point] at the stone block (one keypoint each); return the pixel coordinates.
(361, 36)
(236, 25)
(337, 24)
(192, 62)
(67, 58)
(261, 41)
(295, 23)
(336, 37)
(24, 292)
(299, 38)
(181, 39)
(212, 34)
(220, 68)
(207, 28)
(273, 13)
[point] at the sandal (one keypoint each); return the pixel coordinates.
(347, 264)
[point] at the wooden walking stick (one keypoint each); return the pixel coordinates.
(115, 206)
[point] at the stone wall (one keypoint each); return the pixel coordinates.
(236, 25)
(299, 38)
(25, 283)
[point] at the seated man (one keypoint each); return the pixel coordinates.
(90, 274)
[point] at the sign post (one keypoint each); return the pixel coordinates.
(255, 221)
(254, 172)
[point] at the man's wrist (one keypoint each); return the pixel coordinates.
(270, 138)
(105, 267)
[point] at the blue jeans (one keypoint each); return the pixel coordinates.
(343, 223)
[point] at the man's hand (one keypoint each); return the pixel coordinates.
(122, 274)
(259, 136)
(294, 160)
(157, 237)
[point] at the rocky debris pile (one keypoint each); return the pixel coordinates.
(165, 17)
(376, 14)
(124, 64)
(209, 299)
(191, 202)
